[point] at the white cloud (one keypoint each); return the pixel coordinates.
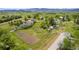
(39, 3)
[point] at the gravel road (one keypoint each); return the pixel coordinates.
(60, 39)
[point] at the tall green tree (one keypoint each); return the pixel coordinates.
(6, 40)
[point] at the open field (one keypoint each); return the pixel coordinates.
(36, 30)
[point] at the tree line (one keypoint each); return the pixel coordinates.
(9, 18)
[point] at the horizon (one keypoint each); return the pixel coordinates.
(39, 8)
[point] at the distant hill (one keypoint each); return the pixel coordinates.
(40, 10)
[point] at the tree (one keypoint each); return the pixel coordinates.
(77, 21)
(9, 18)
(28, 16)
(75, 16)
(6, 40)
(25, 18)
(3, 17)
(57, 16)
(66, 45)
(10, 23)
(52, 21)
(44, 25)
(37, 16)
(68, 17)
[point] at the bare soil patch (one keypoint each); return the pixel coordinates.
(31, 39)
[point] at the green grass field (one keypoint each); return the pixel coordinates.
(45, 37)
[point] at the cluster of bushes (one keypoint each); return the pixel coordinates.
(49, 21)
(76, 21)
(66, 45)
(6, 40)
(76, 15)
(54, 20)
(9, 18)
(15, 22)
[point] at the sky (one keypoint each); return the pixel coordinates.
(39, 3)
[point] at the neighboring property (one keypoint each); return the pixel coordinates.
(26, 24)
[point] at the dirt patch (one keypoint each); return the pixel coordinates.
(27, 37)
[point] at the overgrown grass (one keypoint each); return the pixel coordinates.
(43, 35)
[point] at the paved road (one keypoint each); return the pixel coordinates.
(60, 39)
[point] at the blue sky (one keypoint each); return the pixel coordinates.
(39, 3)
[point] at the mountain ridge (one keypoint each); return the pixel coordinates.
(41, 9)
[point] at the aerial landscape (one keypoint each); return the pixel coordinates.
(39, 29)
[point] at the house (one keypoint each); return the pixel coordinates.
(57, 21)
(34, 20)
(41, 17)
(50, 28)
(26, 24)
(63, 18)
